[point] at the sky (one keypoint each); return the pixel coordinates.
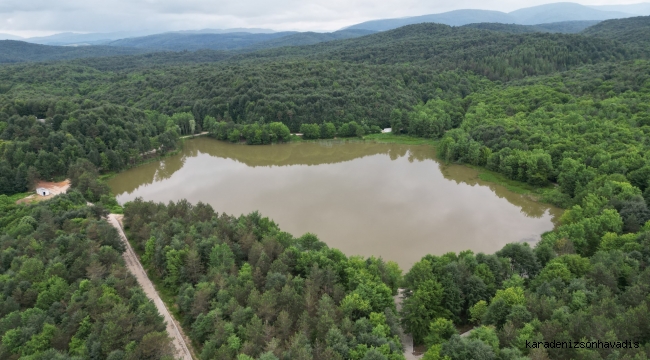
(44, 17)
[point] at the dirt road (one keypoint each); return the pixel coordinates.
(407, 339)
(134, 266)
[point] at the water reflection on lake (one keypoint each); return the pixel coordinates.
(364, 198)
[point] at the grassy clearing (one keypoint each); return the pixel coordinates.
(512, 185)
(399, 139)
(15, 197)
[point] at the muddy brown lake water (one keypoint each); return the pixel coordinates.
(364, 198)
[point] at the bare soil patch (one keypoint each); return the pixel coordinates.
(55, 188)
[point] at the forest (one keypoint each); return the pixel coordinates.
(568, 114)
(66, 293)
(244, 286)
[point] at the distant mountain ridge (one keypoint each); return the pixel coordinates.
(12, 51)
(233, 41)
(548, 13)
(192, 42)
(453, 18)
(619, 39)
(10, 37)
(563, 11)
(70, 38)
(641, 9)
(227, 45)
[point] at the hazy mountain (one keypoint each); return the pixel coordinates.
(640, 9)
(225, 31)
(185, 41)
(70, 38)
(234, 41)
(310, 38)
(564, 11)
(10, 37)
(19, 51)
(453, 18)
(549, 13)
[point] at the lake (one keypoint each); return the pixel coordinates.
(364, 198)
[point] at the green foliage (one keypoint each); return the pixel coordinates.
(244, 289)
(422, 308)
(68, 291)
(108, 137)
(440, 330)
(565, 113)
(254, 134)
(310, 131)
(477, 311)
(467, 349)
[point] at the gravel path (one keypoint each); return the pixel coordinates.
(134, 266)
(407, 339)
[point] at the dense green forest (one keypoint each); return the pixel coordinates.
(634, 32)
(65, 292)
(568, 114)
(245, 287)
(111, 137)
(564, 27)
(12, 51)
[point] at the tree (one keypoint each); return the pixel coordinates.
(279, 131)
(310, 131)
(477, 311)
(210, 125)
(422, 308)
(522, 258)
(467, 349)
(396, 121)
(185, 122)
(440, 330)
(327, 130)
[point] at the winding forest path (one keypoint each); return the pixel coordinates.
(407, 339)
(133, 264)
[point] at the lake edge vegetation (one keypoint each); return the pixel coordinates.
(568, 113)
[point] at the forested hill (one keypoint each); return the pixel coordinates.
(507, 53)
(233, 41)
(310, 38)
(564, 27)
(577, 132)
(192, 42)
(19, 51)
(495, 55)
(634, 32)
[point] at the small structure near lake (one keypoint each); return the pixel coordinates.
(46, 190)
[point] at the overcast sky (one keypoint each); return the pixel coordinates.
(44, 17)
